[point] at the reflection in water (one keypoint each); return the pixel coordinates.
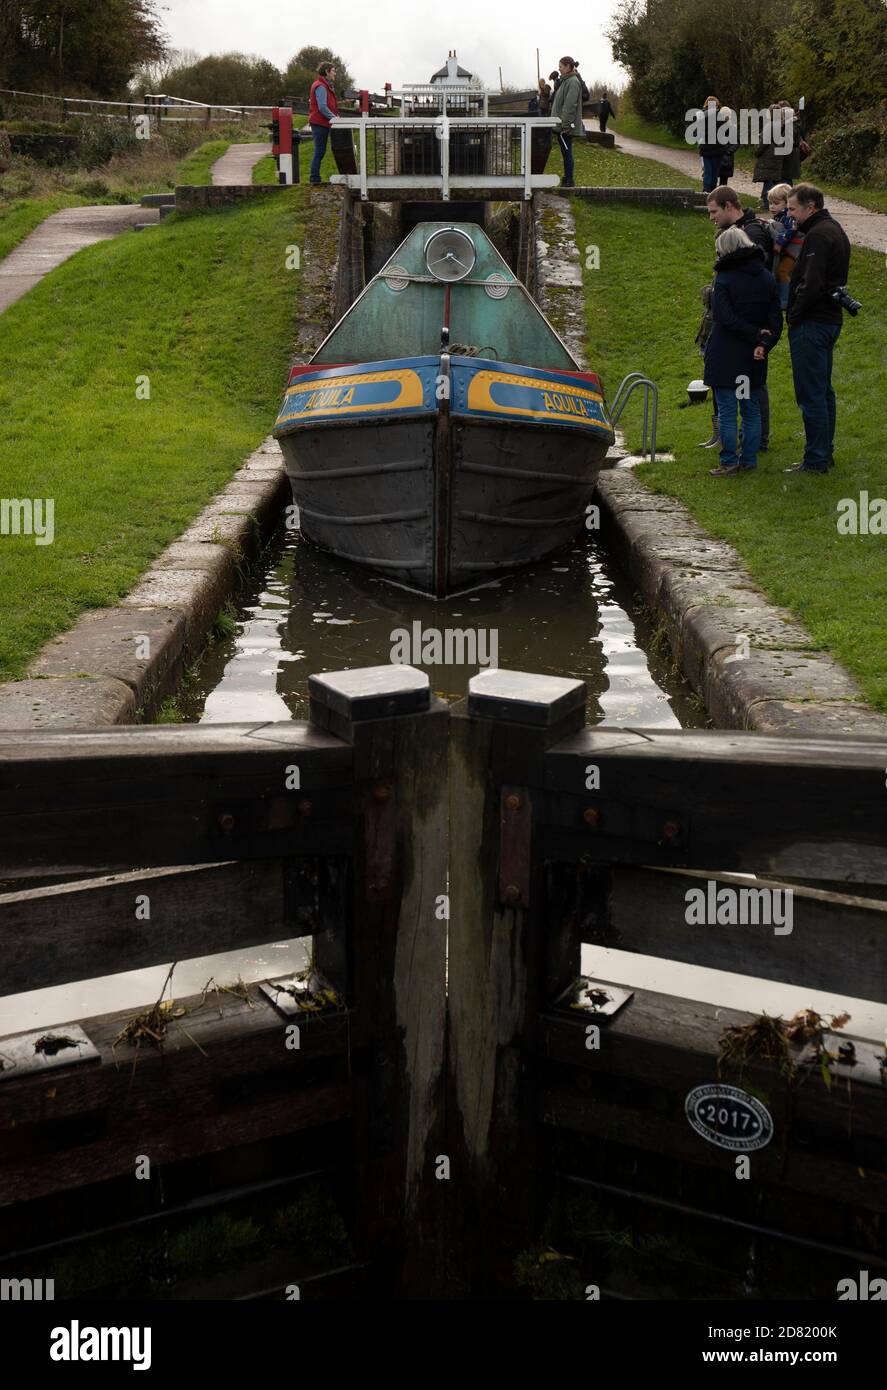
(566, 615)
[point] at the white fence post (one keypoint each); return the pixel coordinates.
(362, 140)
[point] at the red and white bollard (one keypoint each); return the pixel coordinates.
(282, 148)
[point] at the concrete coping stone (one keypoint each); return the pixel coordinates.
(91, 702)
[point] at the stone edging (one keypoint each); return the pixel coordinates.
(671, 197)
(708, 603)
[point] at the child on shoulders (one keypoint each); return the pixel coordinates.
(787, 240)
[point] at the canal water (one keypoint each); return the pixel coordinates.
(573, 614)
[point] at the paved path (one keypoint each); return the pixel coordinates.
(864, 228)
(57, 238)
(237, 163)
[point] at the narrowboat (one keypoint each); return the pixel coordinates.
(442, 434)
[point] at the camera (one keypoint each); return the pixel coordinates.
(847, 301)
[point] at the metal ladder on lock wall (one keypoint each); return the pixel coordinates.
(651, 391)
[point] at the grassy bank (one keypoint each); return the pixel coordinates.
(203, 308)
(643, 310)
(196, 168)
(610, 168)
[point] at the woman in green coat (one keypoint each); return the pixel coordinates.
(567, 108)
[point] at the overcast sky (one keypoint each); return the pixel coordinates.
(393, 41)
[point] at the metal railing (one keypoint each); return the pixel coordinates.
(448, 153)
(651, 392)
(457, 99)
(157, 107)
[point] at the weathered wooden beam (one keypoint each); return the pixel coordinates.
(800, 1170)
(164, 796)
(398, 736)
(798, 807)
(659, 1042)
(76, 931)
(799, 940)
(828, 1142)
(226, 1074)
(497, 962)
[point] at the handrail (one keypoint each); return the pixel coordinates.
(627, 385)
(618, 397)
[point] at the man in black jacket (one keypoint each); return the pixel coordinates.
(725, 210)
(814, 320)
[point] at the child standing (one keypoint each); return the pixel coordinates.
(787, 240)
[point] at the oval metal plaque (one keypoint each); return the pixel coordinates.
(728, 1117)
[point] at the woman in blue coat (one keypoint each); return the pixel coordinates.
(747, 322)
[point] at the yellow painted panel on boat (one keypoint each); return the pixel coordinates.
(549, 400)
(342, 395)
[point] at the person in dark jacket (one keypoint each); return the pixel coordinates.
(725, 211)
(711, 155)
(604, 111)
(747, 324)
(814, 320)
(323, 109)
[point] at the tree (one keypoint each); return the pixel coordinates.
(228, 79)
(307, 61)
(832, 52)
(835, 55)
(10, 28)
(680, 52)
(82, 46)
(153, 75)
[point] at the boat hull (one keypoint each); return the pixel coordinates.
(441, 473)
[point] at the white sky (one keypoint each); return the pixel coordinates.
(395, 41)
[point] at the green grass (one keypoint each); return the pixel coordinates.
(643, 311)
(610, 168)
(634, 128)
(265, 171)
(196, 167)
(19, 218)
(204, 307)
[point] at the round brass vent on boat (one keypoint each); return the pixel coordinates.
(496, 285)
(449, 254)
(396, 278)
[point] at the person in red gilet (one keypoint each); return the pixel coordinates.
(322, 111)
